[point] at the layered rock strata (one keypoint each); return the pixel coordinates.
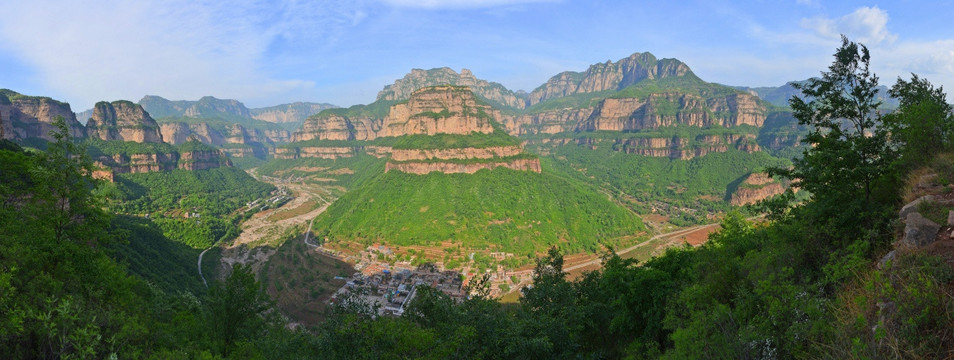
(122, 120)
(31, 117)
(755, 188)
(422, 168)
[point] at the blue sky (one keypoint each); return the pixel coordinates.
(270, 52)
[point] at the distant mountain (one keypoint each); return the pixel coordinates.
(295, 113)
(492, 92)
(779, 95)
(207, 107)
(609, 76)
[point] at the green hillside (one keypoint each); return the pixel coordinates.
(669, 186)
(513, 211)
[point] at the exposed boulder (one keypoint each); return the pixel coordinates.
(918, 230)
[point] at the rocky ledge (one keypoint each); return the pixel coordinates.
(422, 168)
(755, 188)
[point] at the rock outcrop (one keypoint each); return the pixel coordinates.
(609, 76)
(31, 117)
(439, 110)
(686, 149)
(197, 158)
(326, 127)
(139, 163)
(755, 188)
(672, 109)
(177, 133)
(202, 160)
(429, 111)
(418, 79)
(422, 168)
(122, 120)
(455, 153)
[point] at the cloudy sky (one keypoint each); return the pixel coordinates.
(276, 51)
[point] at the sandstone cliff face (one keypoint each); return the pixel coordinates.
(319, 152)
(202, 160)
(549, 122)
(24, 117)
(142, 163)
(456, 154)
(122, 120)
(439, 110)
(238, 134)
(432, 110)
(418, 79)
(679, 148)
(756, 187)
(289, 113)
(178, 133)
(138, 163)
(422, 168)
(608, 76)
(328, 127)
(671, 109)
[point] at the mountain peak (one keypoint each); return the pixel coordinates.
(492, 92)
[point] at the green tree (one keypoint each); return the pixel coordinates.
(923, 124)
(236, 308)
(848, 157)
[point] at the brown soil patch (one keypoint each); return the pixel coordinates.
(700, 236)
(310, 168)
(304, 208)
(656, 218)
(321, 179)
(342, 171)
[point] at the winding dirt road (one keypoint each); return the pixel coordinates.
(251, 247)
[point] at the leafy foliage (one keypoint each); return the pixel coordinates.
(516, 211)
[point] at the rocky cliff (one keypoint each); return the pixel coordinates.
(178, 132)
(122, 120)
(418, 79)
(202, 160)
(117, 158)
(31, 117)
(672, 109)
(138, 163)
(686, 149)
(423, 168)
(455, 153)
(289, 113)
(756, 187)
(432, 110)
(439, 110)
(609, 76)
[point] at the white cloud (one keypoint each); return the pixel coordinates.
(100, 50)
(867, 25)
(457, 4)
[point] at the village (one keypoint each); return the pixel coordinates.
(390, 287)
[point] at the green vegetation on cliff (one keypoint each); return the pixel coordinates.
(98, 147)
(514, 211)
(687, 191)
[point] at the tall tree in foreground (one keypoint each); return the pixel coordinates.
(848, 157)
